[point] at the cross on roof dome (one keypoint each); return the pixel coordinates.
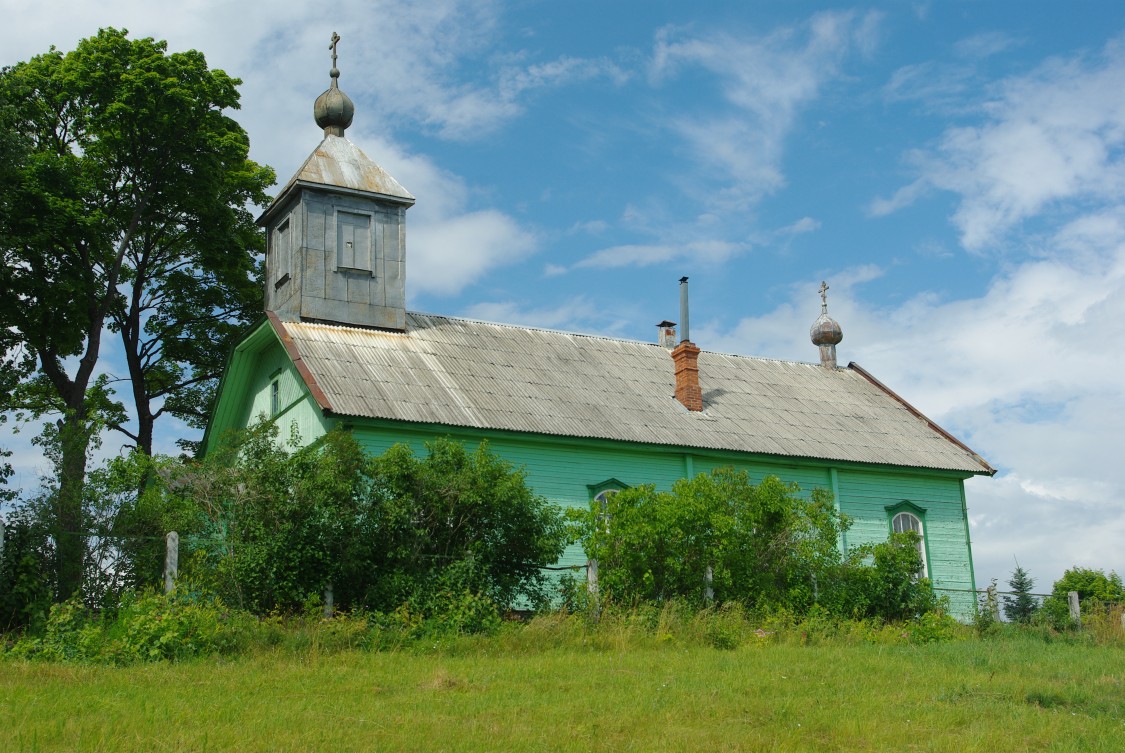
(333, 109)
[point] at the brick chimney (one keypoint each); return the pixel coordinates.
(666, 334)
(685, 358)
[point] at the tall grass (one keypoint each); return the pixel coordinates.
(555, 687)
(647, 679)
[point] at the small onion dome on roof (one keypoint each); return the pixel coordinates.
(333, 109)
(826, 330)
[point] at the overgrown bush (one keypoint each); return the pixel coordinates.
(1096, 591)
(766, 546)
(281, 523)
(883, 581)
(26, 582)
(762, 544)
(146, 627)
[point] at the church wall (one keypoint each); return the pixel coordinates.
(564, 469)
(293, 408)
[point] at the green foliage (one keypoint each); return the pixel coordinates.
(882, 580)
(1020, 606)
(26, 585)
(122, 210)
(450, 529)
(764, 544)
(461, 522)
(275, 526)
(1095, 590)
(986, 618)
(1090, 584)
(146, 627)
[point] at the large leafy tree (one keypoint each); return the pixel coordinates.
(124, 213)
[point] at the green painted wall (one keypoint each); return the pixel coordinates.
(563, 469)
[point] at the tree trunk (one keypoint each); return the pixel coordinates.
(69, 533)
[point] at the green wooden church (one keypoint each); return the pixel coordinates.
(584, 415)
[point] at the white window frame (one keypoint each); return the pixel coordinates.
(907, 520)
(275, 397)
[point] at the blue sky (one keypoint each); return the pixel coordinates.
(953, 169)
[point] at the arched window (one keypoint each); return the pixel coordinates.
(602, 501)
(908, 521)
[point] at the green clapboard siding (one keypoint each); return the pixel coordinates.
(866, 497)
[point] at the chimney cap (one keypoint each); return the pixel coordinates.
(666, 323)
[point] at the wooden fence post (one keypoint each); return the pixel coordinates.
(171, 560)
(329, 605)
(709, 585)
(1075, 609)
(592, 586)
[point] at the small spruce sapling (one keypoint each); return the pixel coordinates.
(1020, 606)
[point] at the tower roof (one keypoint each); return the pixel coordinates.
(337, 164)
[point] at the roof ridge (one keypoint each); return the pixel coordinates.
(591, 335)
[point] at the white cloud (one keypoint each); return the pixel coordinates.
(565, 70)
(985, 44)
(451, 244)
(800, 227)
(1054, 135)
(765, 82)
(711, 251)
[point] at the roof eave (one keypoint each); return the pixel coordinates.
(986, 468)
(283, 198)
(302, 368)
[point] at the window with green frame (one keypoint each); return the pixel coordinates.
(906, 516)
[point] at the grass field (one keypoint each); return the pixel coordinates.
(536, 694)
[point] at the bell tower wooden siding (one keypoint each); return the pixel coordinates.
(338, 258)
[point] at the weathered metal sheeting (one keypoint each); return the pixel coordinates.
(339, 163)
(490, 376)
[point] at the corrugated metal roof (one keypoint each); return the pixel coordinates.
(473, 374)
(339, 163)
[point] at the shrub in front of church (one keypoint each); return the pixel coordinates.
(718, 538)
(454, 526)
(713, 537)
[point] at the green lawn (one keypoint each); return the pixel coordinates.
(1000, 695)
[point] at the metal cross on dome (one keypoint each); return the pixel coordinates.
(824, 295)
(335, 40)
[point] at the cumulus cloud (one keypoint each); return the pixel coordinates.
(451, 244)
(1052, 136)
(765, 82)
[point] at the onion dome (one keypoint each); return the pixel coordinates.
(826, 330)
(333, 109)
